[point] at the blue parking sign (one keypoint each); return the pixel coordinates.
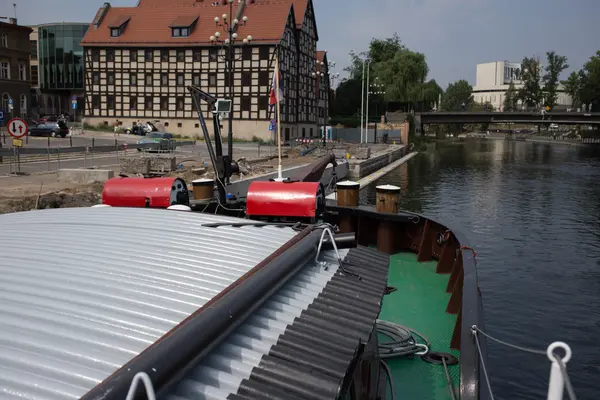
(1, 115)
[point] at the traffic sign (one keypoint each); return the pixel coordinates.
(17, 128)
(9, 100)
(74, 105)
(1, 115)
(74, 98)
(17, 142)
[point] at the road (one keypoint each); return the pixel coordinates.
(198, 152)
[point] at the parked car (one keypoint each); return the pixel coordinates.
(160, 141)
(52, 129)
(141, 129)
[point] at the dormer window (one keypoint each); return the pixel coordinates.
(183, 26)
(181, 32)
(118, 26)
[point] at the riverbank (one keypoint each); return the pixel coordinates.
(47, 190)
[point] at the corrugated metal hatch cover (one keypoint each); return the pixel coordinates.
(301, 342)
(84, 290)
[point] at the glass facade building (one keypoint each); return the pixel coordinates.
(60, 56)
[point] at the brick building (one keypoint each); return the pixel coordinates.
(14, 69)
(139, 61)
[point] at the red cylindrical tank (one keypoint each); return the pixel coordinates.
(145, 192)
(281, 199)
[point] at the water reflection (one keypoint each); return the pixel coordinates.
(532, 212)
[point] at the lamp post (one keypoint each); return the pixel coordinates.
(229, 25)
(377, 90)
(318, 74)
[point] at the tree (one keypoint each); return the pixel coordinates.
(573, 86)
(458, 96)
(590, 82)
(510, 98)
(531, 93)
(402, 72)
(556, 65)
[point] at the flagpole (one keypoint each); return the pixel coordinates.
(278, 120)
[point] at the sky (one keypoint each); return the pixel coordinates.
(454, 35)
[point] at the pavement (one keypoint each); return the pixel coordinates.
(197, 152)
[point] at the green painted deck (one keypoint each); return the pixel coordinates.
(420, 303)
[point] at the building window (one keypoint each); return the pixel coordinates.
(164, 79)
(180, 55)
(247, 53)
(110, 78)
(110, 102)
(4, 40)
(263, 53)
(180, 80)
(23, 104)
(115, 32)
(212, 79)
(133, 79)
(133, 102)
(245, 103)
(34, 51)
(133, 55)
(196, 80)
(110, 55)
(34, 75)
(164, 104)
(148, 80)
(263, 78)
(164, 55)
(95, 55)
(96, 78)
(95, 101)
(181, 32)
(246, 78)
(226, 80)
(197, 55)
(23, 72)
(148, 55)
(180, 104)
(149, 103)
(4, 70)
(212, 54)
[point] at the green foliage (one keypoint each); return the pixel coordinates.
(458, 97)
(556, 64)
(573, 86)
(510, 98)
(531, 93)
(590, 81)
(402, 72)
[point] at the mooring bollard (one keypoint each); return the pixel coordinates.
(348, 193)
(387, 200)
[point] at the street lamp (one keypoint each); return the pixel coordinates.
(230, 26)
(377, 89)
(318, 74)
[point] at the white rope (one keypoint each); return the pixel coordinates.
(141, 376)
(559, 377)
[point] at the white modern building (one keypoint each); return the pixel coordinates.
(492, 81)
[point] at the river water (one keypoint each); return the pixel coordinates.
(532, 213)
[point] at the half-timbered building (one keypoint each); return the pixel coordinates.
(139, 61)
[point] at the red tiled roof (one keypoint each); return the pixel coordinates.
(120, 20)
(299, 8)
(321, 55)
(149, 26)
(183, 21)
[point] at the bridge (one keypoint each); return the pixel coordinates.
(565, 118)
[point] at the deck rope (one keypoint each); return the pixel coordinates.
(475, 330)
